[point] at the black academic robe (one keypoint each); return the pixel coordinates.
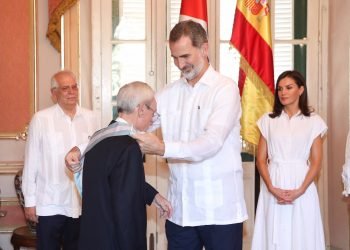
(114, 197)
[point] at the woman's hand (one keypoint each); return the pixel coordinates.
(294, 194)
(285, 196)
(282, 195)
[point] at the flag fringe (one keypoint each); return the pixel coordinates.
(248, 147)
(257, 99)
(255, 79)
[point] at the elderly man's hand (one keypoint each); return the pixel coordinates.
(150, 143)
(163, 205)
(72, 159)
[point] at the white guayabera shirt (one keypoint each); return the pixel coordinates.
(200, 127)
(47, 184)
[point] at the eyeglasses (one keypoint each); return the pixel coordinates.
(66, 89)
(156, 115)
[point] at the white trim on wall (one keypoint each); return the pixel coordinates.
(322, 109)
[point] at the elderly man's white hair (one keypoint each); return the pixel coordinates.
(54, 83)
(133, 94)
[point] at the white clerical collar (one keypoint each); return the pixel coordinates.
(132, 129)
(119, 119)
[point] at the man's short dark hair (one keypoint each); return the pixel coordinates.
(191, 29)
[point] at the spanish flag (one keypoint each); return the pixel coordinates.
(195, 10)
(251, 36)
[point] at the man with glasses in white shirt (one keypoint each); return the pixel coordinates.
(51, 197)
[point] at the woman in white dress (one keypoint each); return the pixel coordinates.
(289, 158)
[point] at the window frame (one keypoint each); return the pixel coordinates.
(155, 75)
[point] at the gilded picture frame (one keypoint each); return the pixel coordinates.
(17, 67)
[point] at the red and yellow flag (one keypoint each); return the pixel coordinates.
(251, 36)
(195, 10)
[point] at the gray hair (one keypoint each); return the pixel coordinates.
(133, 94)
(54, 83)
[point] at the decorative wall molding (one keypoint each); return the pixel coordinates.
(18, 98)
(20, 135)
(11, 167)
(9, 201)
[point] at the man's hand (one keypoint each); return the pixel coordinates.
(72, 159)
(30, 214)
(163, 205)
(150, 143)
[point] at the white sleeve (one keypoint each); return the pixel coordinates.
(82, 147)
(31, 162)
(263, 125)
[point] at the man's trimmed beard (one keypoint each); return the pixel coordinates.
(190, 75)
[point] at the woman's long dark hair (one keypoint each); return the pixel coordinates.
(303, 100)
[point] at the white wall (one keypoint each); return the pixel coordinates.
(48, 59)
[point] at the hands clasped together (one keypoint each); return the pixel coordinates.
(285, 196)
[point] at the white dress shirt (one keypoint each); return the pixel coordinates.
(201, 132)
(47, 183)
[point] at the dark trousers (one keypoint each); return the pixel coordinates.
(212, 237)
(54, 232)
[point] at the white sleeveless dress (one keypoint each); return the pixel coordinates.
(297, 226)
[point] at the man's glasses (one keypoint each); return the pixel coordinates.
(156, 115)
(66, 89)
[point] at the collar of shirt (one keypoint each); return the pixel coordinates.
(121, 120)
(206, 79)
(132, 129)
(295, 115)
(61, 112)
